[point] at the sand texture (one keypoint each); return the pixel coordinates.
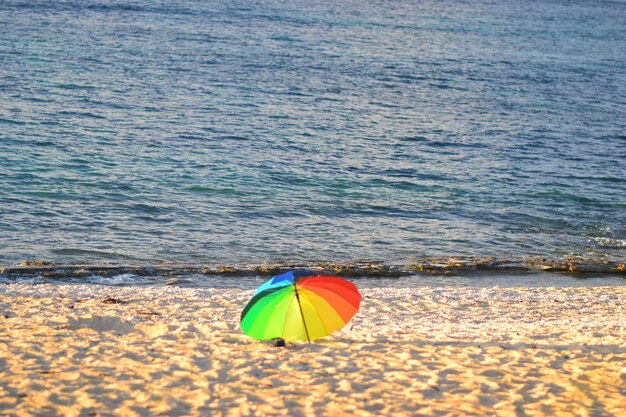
(92, 350)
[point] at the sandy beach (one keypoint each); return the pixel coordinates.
(94, 350)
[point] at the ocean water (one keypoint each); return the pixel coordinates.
(250, 131)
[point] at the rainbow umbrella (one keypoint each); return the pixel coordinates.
(300, 305)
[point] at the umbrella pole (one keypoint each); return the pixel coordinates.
(301, 313)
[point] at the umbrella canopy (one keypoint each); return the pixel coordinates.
(300, 305)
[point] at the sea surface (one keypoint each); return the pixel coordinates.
(142, 131)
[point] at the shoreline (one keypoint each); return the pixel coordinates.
(450, 265)
(88, 349)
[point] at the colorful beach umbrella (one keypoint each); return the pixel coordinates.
(300, 305)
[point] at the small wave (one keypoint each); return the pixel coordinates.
(149, 209)
(231, 137)
(285, 39)
(440, 143)
(75, 87)
(121, 279)
(81, 114)
(90, 253)
(607, 242)
(11, 122)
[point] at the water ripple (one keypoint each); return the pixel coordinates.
(311, 130)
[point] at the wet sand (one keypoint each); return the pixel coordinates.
(90, 350)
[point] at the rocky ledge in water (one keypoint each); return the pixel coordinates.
(369, 268)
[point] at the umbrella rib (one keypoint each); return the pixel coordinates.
(301, 312)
